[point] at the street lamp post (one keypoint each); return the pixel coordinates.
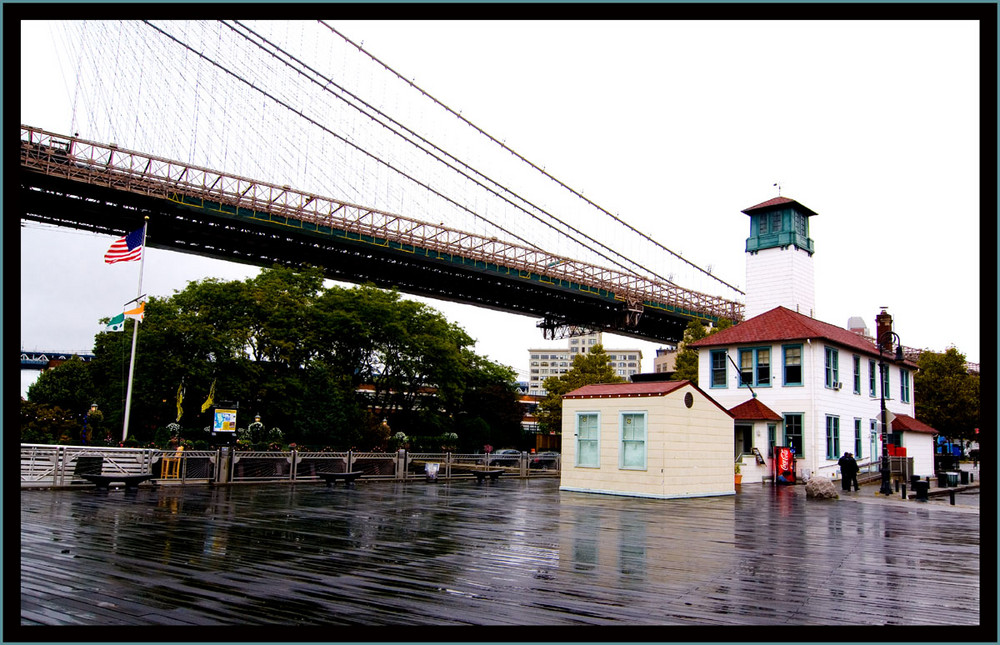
(886, 488)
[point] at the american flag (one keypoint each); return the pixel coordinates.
(125, 249)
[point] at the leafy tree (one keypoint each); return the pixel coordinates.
(686, 367)
(42, 423)
(946, 396)
(68, 386)
(592, 367)
(490, 411)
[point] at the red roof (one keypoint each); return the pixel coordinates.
(629, 390)
(779, 201)
(754, 410)
(783, 324)
(908, 423)
(642, 388)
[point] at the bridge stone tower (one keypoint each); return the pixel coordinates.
(779, 258)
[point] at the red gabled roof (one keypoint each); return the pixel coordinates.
(779, 201)
(905, 422)
(642, 388)
(754, 410)
(628, 390)
(783, 324)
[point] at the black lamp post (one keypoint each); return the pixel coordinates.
(886, 336)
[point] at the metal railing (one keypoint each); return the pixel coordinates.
(48, 466)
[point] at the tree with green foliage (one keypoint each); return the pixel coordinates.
(592, 367)
(686, 366)
(946, 395)
(326, 365)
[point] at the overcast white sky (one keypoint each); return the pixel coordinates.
(674, 126)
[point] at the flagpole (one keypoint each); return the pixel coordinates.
(135, 335)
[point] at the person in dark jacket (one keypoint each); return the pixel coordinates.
(849, 471)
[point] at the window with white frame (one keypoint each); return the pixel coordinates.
(633, 441)
(588, 439)
(904, 385)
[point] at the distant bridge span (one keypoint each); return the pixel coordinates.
(68, 181)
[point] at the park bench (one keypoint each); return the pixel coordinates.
(481, 475)
(348, 478)
(103, 482)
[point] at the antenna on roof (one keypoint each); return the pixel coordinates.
(778, 184)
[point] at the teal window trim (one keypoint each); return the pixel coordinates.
(871, 379)
(857, 374)
(904, 385)
(633, 440)
(793, 431)
(858, 446)
(772, 437)
(885, 381)
(589, 444)
(831, 366)
(719, 368)
(794, 362)
(832, 436)
(755, 362)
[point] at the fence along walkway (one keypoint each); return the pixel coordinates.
(47, 466)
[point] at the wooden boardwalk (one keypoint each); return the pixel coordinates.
(506, 553)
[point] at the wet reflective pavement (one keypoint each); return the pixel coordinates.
(514, 552)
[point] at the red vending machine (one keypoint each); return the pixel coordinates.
(784, 465)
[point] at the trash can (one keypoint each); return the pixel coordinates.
(920, 489)
(942, 479)
(952, 479)
(431, 471)
(964, 476)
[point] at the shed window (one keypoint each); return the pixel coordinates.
(588, 439)
(633, 437)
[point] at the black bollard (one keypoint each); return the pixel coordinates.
(897, 485)
(951, 495)
(904, 491)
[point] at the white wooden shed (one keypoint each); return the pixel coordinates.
(662, 439)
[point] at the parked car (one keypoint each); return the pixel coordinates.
(506, 457)
(544, 460)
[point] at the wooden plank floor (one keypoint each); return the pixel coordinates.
(483, 556)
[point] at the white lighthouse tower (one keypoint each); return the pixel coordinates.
(779, 258)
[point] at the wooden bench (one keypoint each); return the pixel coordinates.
(103, 482)
(348, 478)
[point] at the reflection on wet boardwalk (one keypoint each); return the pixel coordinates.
(517, 552)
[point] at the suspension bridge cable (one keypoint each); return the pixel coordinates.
(525, 160)
(327, 82)
(330, 132)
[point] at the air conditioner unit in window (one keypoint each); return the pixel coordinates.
(837, 386)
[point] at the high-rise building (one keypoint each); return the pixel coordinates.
(543, 363)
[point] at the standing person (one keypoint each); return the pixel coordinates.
(854, 472)
(848, 471)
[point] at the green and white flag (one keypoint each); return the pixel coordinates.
(116, 324)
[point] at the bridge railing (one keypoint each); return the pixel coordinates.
(108, 165)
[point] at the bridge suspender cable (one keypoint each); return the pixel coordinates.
(525, 160)
(327, 82)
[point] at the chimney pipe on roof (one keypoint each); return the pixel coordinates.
(883, 325)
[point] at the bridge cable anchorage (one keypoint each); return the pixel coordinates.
(327, 82)
(541, 170)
